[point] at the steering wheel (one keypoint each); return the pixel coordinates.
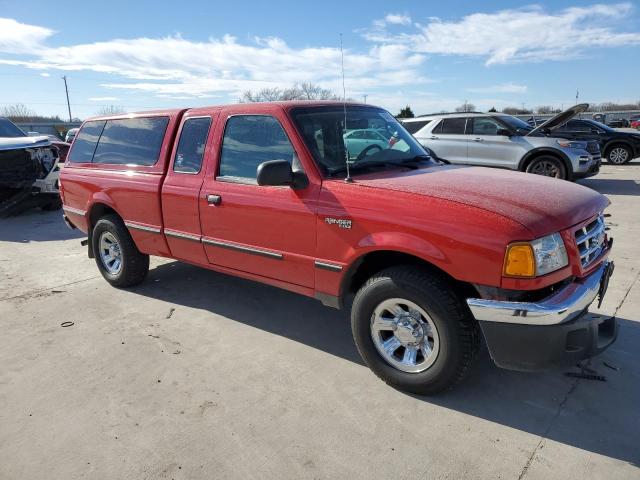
(366, 151)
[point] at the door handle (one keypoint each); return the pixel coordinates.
(478, 139)
(433, 138)
(214, 199)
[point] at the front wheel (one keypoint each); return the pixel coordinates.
(618, 154)
(117, 257)
(547, 166)
(413, 331)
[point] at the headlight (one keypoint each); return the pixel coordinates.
(539, 257)
(570, 144)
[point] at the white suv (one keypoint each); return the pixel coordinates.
(499, 140)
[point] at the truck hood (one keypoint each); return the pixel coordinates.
(14, 143)
(560, 119)
(542, 205)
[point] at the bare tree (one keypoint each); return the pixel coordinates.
(303, 91)
(516, 111)
(19, 111)
(110, 110)
(466, 107)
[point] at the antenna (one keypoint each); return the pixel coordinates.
(344, 107)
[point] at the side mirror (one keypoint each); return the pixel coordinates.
(274, 173)
(278, 173)
(503, 132)
(595, 130)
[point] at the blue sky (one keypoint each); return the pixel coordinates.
(430, 55)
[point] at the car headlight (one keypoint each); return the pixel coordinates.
(572, 144)
(535, 258)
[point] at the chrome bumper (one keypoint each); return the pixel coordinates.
(562, 306)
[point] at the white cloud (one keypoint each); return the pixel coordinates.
(177, 66)
(45, 74)
(103, 99)
(16, 37)
(501, 88)
(518, 35)
(398, 19)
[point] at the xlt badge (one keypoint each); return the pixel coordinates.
(341, 222)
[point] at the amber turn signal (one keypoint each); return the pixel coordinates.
(519, 261)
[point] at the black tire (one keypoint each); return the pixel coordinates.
(618, 154)
(458, 332)
(548, 166)
(52, 206)
(134, 264)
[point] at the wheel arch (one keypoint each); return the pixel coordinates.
(538, 152)
(96, 211)
(616, 141)
(371, 262)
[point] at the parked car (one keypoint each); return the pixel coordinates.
(618, 147)
(499, 140)
(618, 123)
(29, 170)
(435, 254)
(634, 122)
(71, 134)
(357, 140)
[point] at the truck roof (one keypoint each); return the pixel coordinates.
(248, 106)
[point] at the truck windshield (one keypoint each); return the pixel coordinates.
(371, 138)
(9, 129)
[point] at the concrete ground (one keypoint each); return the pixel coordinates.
(199, 375)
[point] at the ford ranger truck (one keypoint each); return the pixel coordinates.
(430, 258)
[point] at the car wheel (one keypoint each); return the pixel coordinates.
(547, 166)
(117, 257)
(618, 154)
(413, 331)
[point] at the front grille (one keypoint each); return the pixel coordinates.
(593, 148)
(590, 241)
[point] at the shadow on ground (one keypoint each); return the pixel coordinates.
(600, 417)
(612, 186)
(36, 226)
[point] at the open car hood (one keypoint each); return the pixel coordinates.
(15, 143)
(559, 119)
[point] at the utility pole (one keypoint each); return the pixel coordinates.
(66, 89)
(365, 98)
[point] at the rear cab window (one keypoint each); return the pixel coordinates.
(192, 144)
(124, 141)
(131, 141)
(85, 142)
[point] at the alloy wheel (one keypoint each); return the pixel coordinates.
(618, 155)
(110, 253)
(405, 335)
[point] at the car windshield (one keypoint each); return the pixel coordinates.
(371, 138)
(520, 126)
(9, 129)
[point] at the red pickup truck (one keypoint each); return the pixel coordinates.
(339, 202)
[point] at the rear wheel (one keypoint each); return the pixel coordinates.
(117, 257)
(413, 331)
(547, 166)
(618, 154)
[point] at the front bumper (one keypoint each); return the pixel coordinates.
(555, 331)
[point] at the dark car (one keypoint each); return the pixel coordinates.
(617, 147)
